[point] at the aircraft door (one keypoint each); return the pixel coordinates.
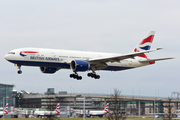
(53, 55)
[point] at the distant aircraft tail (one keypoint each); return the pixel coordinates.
(145, 44)
(106, 109)
(6, 109)
(57, 108)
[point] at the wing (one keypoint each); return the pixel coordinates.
(118, 58)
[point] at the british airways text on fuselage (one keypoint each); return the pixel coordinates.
(44, 58)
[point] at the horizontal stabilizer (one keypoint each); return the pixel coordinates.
(155, 60)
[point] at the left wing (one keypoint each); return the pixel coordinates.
(120, 57)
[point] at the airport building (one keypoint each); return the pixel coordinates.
(6, 94)
(69, 103)
(134, 105)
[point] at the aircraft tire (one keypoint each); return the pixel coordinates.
(89, 74)
(75, 76)
(97, 77)
(71, 75)
(79, 78)
(19, 72)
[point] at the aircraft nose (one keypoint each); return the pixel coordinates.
(7, 57)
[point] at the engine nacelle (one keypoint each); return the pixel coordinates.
(48, 69)
(79, 65)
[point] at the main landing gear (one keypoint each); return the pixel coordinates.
(93, 75)
(75, 76)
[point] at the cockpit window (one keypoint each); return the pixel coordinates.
(11, 53)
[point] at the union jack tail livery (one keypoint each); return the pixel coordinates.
(106, 109)
(58, 108)
(6, 109)
(145, 44)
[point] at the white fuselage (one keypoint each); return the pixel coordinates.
(96, 113)
(43, 113)
(1, 113)
(61, 58)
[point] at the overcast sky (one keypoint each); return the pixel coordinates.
(93, 25)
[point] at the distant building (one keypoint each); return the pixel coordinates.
(6, 91)
(50, 91)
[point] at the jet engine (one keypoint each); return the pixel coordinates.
(48, 69)
(79, 65)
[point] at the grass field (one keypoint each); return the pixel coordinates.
(96, 118)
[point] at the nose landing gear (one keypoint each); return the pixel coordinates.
(19, 71)
(19, 67)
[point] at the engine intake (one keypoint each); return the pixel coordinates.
(79, 65)
(48, 69)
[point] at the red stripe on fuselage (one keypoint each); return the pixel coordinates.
(152, 62)
(28, 52)
(143, 55)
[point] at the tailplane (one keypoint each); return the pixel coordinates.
(6, 109)
(106, 109)
(145, 44)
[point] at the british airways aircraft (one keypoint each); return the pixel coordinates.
(52, 60)
(99, 113)
(5, 111)
(48, 113)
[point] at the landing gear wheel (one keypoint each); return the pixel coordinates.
(97, 77)
(75, 76)
(71, 75)
(19, 72)
(93, 75)
(89, 74)
(79, 78)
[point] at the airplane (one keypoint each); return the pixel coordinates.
(48, 113)
(177, 113)
(5, 111)
(52, 60)
(99, 113)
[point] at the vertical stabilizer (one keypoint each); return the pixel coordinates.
(145, 44)
(106, 109)
(6, 109)
(57, 108)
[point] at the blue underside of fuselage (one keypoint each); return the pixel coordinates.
(62, 65)
(95, 115)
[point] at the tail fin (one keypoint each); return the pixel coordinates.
(106, 109)
(6, 109)
(58, 108)
(145, 44)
